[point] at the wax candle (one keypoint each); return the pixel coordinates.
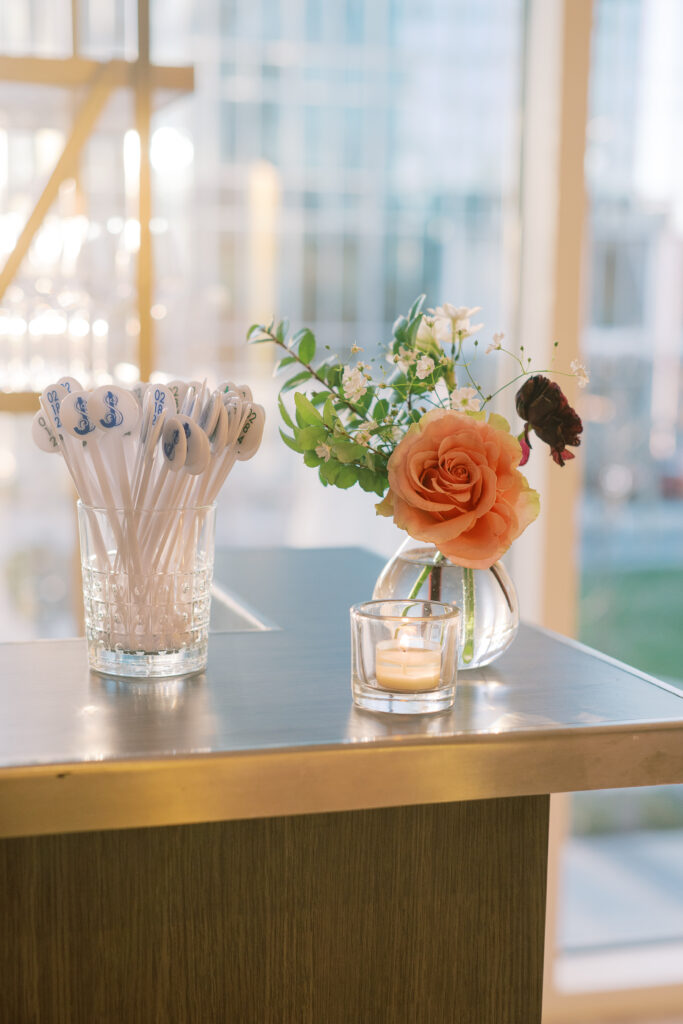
(408, 665)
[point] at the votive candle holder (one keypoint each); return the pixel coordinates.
(404, 655)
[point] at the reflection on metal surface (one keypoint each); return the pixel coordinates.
(367, 726)
(512, 720)
(230, 612)
(175, 714)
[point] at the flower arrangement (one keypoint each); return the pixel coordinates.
(419, 432)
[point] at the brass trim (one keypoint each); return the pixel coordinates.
(60, 798)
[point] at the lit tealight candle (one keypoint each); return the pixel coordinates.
(408, 665)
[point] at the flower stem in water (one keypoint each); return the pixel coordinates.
(426, 572)
(468, 608)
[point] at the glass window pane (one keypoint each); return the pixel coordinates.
(623, 884)
(317, 170)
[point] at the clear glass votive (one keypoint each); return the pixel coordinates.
(404, 655)
(147, 589)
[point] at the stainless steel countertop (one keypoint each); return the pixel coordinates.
(270, 728)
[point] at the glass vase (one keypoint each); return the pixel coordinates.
(486, 597)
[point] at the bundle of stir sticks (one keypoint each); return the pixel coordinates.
(147, 455)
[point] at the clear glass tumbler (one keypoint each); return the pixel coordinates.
(147, 589)
(404, 655)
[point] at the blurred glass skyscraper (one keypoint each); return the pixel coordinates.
(347, 157)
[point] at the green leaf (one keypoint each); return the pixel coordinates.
(281, 331)
(283, 412)
(306, 410)
(416, 307)
(399, 331)
(285, 361)
(290, 442)
(333, 375)
(312, 460)
(329, 471)
(298, 378)
(347, 477)
(310, 437)
(376, 462)
(347, 451)
(411, 337)
(380, 410)
(318, 397)
(365, 401)
(329, 414)
(366, 478)
(253, 329)
(307, 346)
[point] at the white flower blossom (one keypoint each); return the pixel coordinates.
(354, 384)
(464, 399)
(323, 452)
(580, 372)
(365, 433)
(425, 365)
(405, 359)
(443, 330)
(451, 322)
(355, 348)
(496, 344)
(455, 313)
(425, 331)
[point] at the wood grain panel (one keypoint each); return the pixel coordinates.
(414, 914)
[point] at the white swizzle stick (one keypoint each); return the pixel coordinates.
(77, 423)
(246, 446)
(139, 389)
(116, 412)
(50, 402)
(251, 434)
(237, 411)
(234, 411)
(208, 417)
(219, 435)
(43, 435)
(145, 423)
(69, 384)
(46, 438)
(243, 390)
(174, 450)
(178, 388)
(197, 459)
(159, 401)
(218, 440)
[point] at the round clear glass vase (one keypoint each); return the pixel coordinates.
(486, 598)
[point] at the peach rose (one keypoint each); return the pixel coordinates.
(454, 482)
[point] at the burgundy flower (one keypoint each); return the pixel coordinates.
(547, 412)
